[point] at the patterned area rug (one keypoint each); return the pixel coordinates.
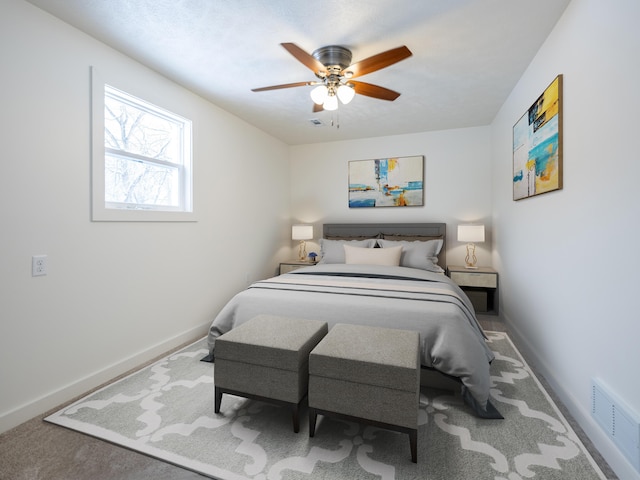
(166, 411)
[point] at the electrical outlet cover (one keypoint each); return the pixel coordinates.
(38, 265)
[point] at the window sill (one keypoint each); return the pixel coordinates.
(124, 215)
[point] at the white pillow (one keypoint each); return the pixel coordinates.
(332, 251)
(422, 255)
(373, 256)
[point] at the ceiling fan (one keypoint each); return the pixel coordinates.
(332, 65)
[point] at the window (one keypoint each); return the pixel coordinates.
(141, 158)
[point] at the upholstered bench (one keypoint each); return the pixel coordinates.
(267, 358)
(367, 374)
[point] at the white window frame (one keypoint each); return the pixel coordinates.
(105, 211)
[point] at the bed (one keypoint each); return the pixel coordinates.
(389, 275)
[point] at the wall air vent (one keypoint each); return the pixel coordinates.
(620, 423)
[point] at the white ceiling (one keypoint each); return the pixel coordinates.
(467, 55)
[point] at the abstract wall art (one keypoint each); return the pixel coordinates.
(537, 145)
(386, 182)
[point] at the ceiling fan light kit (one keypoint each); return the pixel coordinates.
(332, 65)
(326, 95)
(331, 103)
(319, 94)
(346, 93)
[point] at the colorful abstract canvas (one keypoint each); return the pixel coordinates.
(537, 145)
(386, 182)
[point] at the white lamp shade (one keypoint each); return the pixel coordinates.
(319, 94)
(301, 232)
(346, 93)
(331, 103)
(471, 233)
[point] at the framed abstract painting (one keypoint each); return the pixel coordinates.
(537, 145)
(386, 182)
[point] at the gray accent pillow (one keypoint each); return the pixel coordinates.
(422, 255)
(332, 251)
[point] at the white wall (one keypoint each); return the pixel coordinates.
(457, 183)
(569, 260)
(116, 293)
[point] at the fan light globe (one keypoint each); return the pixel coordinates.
(346, 93)
(319, 94)
(331, 103)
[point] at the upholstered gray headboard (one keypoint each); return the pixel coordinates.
(379, 230)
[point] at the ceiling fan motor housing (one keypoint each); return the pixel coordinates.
(333, 55)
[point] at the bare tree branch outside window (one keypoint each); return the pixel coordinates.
(143, 155)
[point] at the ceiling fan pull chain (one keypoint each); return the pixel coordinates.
(335, 120)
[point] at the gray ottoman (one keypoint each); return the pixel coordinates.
(367, 374)
(267, 358)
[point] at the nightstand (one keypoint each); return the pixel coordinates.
(480, 285)
(286, 267)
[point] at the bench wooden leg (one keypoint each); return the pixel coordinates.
(218, 399)
(296, 417)
(312, 421)
(413, 441)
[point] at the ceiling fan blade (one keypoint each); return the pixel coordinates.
(285, 85)
(317, 108)
(303, 57)
(378, 61)
(374, 91)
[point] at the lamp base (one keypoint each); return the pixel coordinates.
(302, 251)
(470, 260)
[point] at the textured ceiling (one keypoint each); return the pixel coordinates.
(467, 55)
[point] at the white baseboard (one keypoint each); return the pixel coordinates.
(67, 393)
(614, 457)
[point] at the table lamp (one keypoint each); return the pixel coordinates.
(302, 233)
(471, 234)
